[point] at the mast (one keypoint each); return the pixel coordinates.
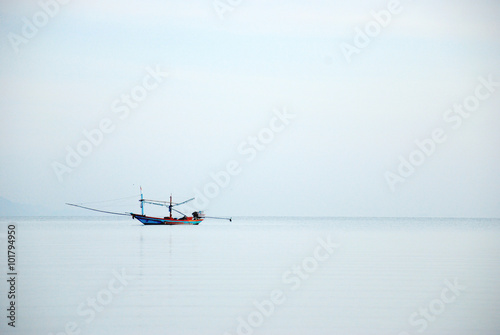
(170, 207)
(142, 202)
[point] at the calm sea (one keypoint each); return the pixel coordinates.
(97, 275)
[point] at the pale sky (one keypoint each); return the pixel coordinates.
(227, 76)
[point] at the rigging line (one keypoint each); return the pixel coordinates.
(96, 202)
(182, 203)
(178, 211)
(97, 210)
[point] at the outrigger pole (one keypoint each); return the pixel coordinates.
(97, 210)
(217, 218)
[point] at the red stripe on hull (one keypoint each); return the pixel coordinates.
(149, 220)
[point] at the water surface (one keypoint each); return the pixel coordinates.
(93, 275)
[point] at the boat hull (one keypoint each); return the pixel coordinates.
(152, 221)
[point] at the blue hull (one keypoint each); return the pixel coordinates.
(148, 220)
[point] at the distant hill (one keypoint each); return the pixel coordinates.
(9, 208)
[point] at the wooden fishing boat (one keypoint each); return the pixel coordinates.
(168, 220)
(195, 219)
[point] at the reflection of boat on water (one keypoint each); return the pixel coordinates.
(195, 219)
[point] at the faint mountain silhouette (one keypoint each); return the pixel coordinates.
(9, 208)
